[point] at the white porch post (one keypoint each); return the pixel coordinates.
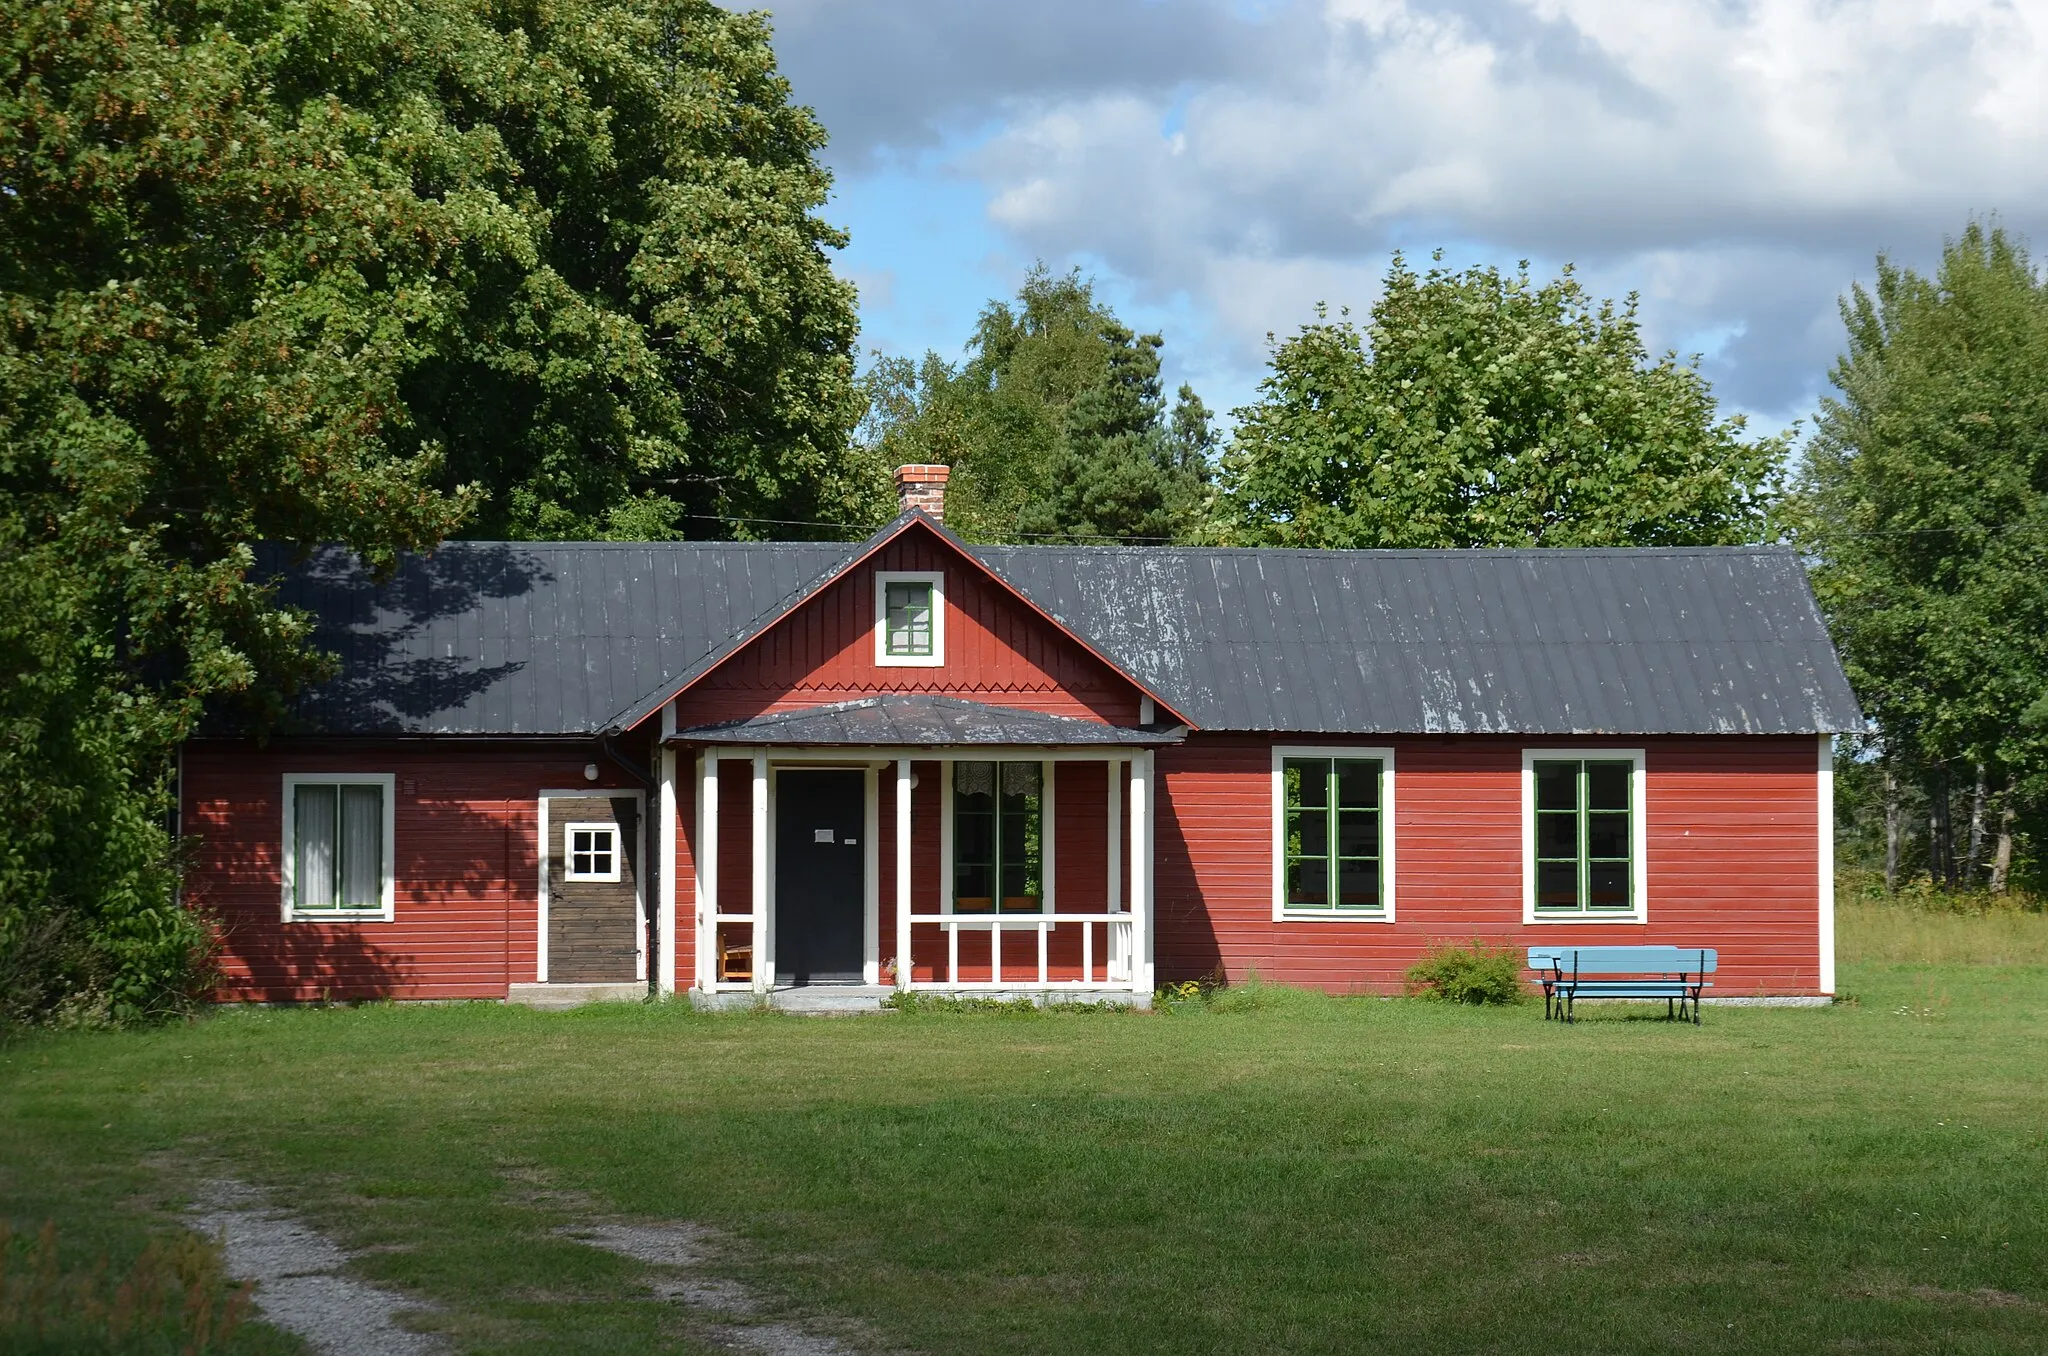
(1141, 871)
(665, 909)
(707, 869)
(902, 873)
(764, 964)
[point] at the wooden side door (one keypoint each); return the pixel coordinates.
(593, 857)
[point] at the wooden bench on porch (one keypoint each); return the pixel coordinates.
(1676, 974)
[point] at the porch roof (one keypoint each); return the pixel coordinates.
(922, 720)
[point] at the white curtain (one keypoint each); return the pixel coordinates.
(362, 847)
(315, 847)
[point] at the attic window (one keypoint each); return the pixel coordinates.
(910, 619)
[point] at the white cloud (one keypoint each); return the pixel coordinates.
(1738, 164)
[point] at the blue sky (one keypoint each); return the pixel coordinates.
(1220, 167)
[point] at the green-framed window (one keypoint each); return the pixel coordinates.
(1333, 834)
(339, 854)
(1585, 835)
(998, 837)
(907, 619)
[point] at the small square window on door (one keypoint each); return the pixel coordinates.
(590, 852)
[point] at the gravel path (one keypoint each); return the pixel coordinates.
(297, 1271)
(681, 1250)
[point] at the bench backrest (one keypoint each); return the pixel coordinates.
(1623, 960)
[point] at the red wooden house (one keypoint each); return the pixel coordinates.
(814, 771)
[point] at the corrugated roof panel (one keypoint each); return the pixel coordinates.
(556, 638)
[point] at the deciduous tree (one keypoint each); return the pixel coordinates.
(1924, 501)
(1053, 424)
(361, 272)
(1483, 409)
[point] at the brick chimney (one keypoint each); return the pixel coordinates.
(923, 487)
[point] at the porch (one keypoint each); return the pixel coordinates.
(924, 844)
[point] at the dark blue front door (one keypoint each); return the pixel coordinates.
(818, 876)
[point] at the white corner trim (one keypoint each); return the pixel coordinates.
(1639, 836)
(937, 658)
(287, 910)
(1283, 914)
(1826, 808)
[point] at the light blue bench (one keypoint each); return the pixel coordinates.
(1676, 974)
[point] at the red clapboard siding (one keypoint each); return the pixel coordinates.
(1732, 827)
(997, 650)
(465, 827)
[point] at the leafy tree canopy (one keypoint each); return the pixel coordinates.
(1924, 500)
(1054, 425)
(365, 272)
(1481, 409)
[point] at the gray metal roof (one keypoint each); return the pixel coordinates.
(1701, 640)
(533, 638)
(921, 719)
(548, 638)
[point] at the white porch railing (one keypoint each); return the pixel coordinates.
(1030, 971)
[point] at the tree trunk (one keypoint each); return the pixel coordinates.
(1894, 830)
(2001, 856)
(1975, 859)
(1941, 842)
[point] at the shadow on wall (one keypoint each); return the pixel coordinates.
(402, 658)
(467, 884)
(1186, 946)
(304, 962)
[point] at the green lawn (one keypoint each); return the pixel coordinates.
(1280, 1173)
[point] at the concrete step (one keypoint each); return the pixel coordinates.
(827, 999)
(556, 997)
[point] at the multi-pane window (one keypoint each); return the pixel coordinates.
(907, 619)
(1585, 835)
(338, 853)
(1332, 834)
(998, 822)
(593, 851)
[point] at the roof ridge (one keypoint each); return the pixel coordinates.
(1396, 552)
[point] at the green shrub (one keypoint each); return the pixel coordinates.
(1468, 974)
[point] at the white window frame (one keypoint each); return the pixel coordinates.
(937, 580)
(569, 871)
(1388, 874)
(1639, 837)
(289, 904)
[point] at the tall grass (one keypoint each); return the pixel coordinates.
(1899, 933)
(176, 1298)
(1922, 923)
